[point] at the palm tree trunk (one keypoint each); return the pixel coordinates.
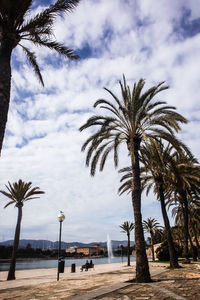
(172, 253)
(128, 249)
(194, 256)
(142, 267)
(152, 247)
(184, 205)
(196, 240)
(11, 273)
(5, 84)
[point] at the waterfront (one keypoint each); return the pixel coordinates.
(45, 263)
(105, 281)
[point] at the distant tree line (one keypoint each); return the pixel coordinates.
(28, 252)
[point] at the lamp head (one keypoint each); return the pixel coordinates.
(61, 216)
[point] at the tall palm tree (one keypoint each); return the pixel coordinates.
(154, 174)
(131, 121)
(156, 158)
(151, 226)
(16, 27)
(18, 193)
(179, 222)
(193, 223)
(127, 227)
(183, 185)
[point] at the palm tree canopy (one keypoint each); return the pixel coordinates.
(134, 118)
(19, 192)
(184, 178)
(193, 213)
(127, 227)
(155, 157)
(151, 225)
(15, 27)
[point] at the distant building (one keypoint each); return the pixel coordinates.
(71, 249)
(149, 252)
(91, 250)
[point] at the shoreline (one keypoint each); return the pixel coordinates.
(6, 260)
(29, 263)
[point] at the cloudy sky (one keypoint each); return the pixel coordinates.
(155, 40)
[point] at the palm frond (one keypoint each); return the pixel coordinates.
(32, 59)
(9, 195)
(53, 45)
(48, 15)
(103, 158)
(9, 203)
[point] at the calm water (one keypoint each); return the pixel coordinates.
(44, 264)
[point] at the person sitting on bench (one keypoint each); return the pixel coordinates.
(86, 266)
(91, 264)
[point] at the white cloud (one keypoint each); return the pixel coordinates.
(43, 143)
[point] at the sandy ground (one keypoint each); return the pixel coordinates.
(43, 284)
(37, 276)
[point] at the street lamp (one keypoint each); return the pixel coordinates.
(61, 218)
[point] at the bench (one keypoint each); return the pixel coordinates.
(89, 266)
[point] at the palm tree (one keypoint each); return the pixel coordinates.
(18, 193)
(132, 120)
(193, 222)
(156, 158)
(179, 222)
(154, 174)
(151, 226)
(127, 228)
(194, 217)
(15, 28)
(177, 232)
(183, 185)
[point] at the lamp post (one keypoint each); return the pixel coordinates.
(61, 218)
(121, 252)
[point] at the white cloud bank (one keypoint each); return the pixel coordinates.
(43, 143)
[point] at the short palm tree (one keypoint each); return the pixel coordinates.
(18, 193)
(127, 227)
(15, 27)
(131, 121)
(151, 226)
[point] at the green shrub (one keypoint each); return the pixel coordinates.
(163, 251)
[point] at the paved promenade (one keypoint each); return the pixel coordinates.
(104, 282)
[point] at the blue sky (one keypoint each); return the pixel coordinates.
(159, 42)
